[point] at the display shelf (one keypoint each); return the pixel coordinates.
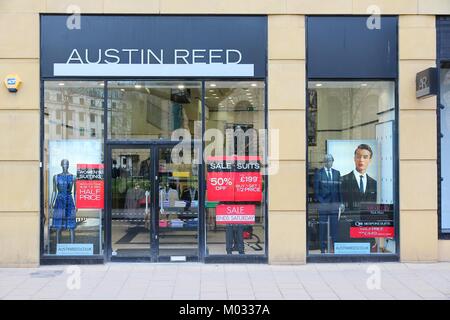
(168, 229)
(180, 210)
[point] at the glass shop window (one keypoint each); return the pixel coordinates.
(235, 197)
(73, 173)
(350, 169)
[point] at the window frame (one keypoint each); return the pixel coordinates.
(372, 257)
(100, 259)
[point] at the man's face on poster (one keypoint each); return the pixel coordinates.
(362, 160)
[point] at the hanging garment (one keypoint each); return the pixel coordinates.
(133, 197)
(64, 213)
(167, 198)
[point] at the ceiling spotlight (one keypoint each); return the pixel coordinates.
(61, 84)
(181, 86)
(363, 84)
(138, 86)
(212, 85)
(254, 84)
(318, 84)
(123, 90)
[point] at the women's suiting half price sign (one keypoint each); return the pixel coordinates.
(90, 186)
(234, 178)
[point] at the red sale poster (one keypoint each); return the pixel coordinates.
(220, 179)
(220, 186)
(90, 186)
(234, 178)
(235, 214)
(371, 232)
(247, 181)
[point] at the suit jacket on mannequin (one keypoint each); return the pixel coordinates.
(328, 192)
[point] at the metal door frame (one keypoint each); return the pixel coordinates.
(153, 148)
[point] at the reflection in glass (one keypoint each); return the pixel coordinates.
(234, 107)
(178, 206)
(131, 206)
(73, 220)
(140, 110)
(350, 167)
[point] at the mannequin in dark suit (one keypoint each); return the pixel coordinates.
(327, 191)
(358, 187)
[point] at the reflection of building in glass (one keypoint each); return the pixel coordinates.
(74, 113)
(152, 110)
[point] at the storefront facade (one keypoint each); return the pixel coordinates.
(90, 160)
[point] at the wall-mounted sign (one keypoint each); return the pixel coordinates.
(235, 214)
(90, 186)
(12, 82)
(426, 83)
(154, 46)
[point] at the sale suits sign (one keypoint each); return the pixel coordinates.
(234, 178)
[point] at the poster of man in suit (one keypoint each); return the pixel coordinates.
(358, 164)
(359, 192)
(357, 186)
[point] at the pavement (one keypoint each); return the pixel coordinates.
(196, 281)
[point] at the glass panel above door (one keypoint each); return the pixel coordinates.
(152, 110)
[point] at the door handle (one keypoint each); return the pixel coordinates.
(147, 194)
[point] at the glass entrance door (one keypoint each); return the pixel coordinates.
(153, 204)
(131, 190)
(178, 206)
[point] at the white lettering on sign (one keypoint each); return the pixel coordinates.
(151, 62)
(235, 217)
(235, 209)
(108, 55)
(149, 56)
